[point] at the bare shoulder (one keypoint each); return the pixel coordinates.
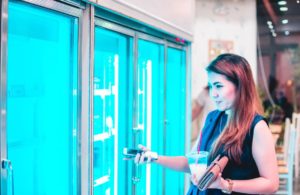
(261, 130)
(263, 137)
(261, 125)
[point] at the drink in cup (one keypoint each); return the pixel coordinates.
(198, 164)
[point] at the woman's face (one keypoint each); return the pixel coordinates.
(221, 90)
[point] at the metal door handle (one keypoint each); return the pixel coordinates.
(6, 164)
(136, 169)
(167, 122)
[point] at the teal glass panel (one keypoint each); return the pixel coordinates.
(175, 116)
(150, 108)
(112, 115)
(42, 130)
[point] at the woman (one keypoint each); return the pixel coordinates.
(235, 129)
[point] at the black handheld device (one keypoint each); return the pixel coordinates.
(131, 153)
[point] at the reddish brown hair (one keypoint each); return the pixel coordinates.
(247, 103)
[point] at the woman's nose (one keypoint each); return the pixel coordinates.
(213, 93)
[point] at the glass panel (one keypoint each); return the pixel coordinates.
(175, 104)
(150, 110)
(112, 115)
(42, 100)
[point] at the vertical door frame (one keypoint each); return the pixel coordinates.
(165, 116)
(85, 51)
(188, 110)
(53, 6)
(91, 101)
(3, 68)
(135, 109)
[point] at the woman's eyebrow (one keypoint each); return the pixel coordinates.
(216, 83)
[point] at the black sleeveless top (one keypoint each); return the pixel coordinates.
(247, 169)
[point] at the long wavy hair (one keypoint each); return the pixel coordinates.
(247, 103)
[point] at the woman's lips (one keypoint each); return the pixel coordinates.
(218, 102)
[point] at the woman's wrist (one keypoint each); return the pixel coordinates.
(224, 184)
(227, 186)
(157, 160)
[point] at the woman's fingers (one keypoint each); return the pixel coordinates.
(218, 182)
(195, 179)
(137, 158)
(140, 146)
(149, 159)
(143, 157)
(141, 161)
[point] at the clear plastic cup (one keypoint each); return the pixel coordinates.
(198, 164)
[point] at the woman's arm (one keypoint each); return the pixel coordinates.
(177, 163)
(263, 150)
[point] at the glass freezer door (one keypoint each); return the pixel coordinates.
(112, 110)
(175, 115)
(42, 128)
(149, 112)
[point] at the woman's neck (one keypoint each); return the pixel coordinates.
(228, 112)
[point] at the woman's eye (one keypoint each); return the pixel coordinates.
(219, 86)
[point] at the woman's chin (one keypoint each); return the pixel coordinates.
(221, 109)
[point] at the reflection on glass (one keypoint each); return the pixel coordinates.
(42, 100)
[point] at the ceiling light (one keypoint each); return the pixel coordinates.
(269, 22)
(274, 34)
(271, 26)
(298, 1)
(286, 32)
(285, 21)
(283, 9)
(281, 2)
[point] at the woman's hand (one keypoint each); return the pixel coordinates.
(145, 157)
(194, 179)
(219, 183)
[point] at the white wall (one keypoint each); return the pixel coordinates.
(226, 20)
(173, 16)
